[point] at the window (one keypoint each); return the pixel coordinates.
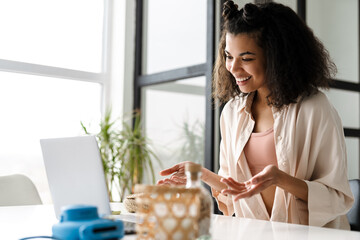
(173, 67)
(51, 77)
(174, 115)
(65, 34)
(176, 42)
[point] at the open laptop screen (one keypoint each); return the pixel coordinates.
(75, 172)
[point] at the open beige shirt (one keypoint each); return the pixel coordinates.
(309, 144)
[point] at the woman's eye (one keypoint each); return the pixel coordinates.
(247, 59)
(228, 57)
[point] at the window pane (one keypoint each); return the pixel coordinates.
(174, 34)
(174, 120)
(336, 23)
(60, 33)
(347, 105)
(352, 147)
(36, 107)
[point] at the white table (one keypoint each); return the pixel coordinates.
(26, 221)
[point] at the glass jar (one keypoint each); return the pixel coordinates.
(193, 180)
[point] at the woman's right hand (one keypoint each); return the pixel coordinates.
(178, 176)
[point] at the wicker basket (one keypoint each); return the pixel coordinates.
(166, 212)
(130, 202)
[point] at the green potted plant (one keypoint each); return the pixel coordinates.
(125, 152)
(192, 142)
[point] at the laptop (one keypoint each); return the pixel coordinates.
(76, 176)
(75, 173)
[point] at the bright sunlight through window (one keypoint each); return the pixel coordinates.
(65, 35)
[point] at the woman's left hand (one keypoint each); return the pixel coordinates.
(270, 175)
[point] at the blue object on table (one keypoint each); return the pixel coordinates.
(82, 222)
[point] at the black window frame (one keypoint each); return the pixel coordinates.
(204, 69)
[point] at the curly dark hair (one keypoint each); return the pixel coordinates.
(297, 64)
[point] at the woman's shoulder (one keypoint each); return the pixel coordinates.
(315, 101)
(316, 104)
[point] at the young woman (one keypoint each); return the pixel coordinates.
(282, 153)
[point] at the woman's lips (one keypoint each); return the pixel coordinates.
(242, 81)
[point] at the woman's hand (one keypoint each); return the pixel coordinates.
(178, 176)
(270, 175)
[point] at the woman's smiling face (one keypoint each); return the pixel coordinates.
(245, 60)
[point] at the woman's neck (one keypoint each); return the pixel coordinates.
(260, 99)
(261, 113)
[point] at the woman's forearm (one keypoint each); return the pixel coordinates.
(295, 186)
(212, 179)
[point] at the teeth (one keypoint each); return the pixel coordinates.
(244, 79)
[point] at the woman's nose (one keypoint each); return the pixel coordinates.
(235, 66)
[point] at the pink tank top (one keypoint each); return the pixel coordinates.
(260, 151)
